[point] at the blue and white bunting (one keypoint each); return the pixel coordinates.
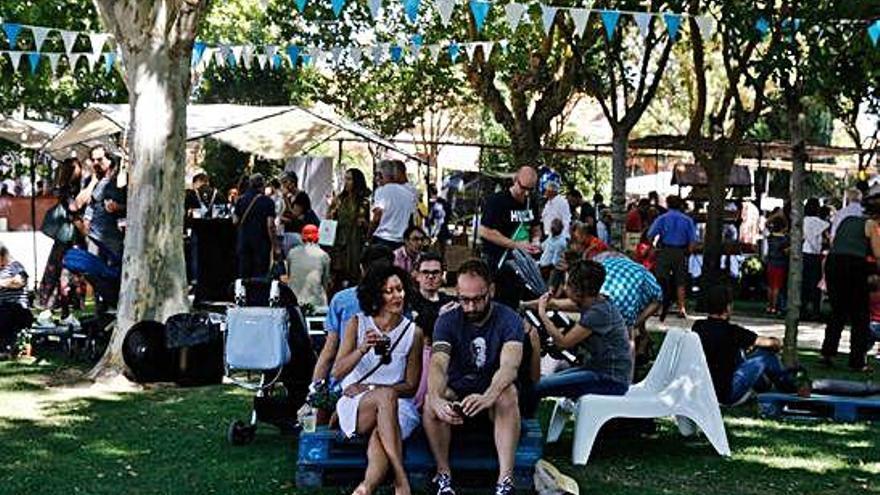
(198, 52)
(513, 13)
(415, 44)
(411, 10)
(15, 58)
(396, 53)
(337, 7)
(97, 41)
(609, 20)
(470, 49)
(69, 39)
(293, 55)
(643, 21)
(40, 34)
(762, 25)
(53, 61)
(375, 7)
(12, 31)
(874, 32)
(434, 50)
(548, 16)
(109, 60)
(580, 18)
(300, 5)
(480, 10)
(706, 25)
(454, 51)
(356, 55)
(444, 10)
(673, 23)
(34, 61)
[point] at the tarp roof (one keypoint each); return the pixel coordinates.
(688, 174)
(29, 134)
(270, 132)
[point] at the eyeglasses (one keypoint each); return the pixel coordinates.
(465, 301)
(524, 188)
(431, 273)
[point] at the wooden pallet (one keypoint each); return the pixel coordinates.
(326, 458)
(836, 408)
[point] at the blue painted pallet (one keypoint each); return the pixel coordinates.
(326, 458)
(837, 408)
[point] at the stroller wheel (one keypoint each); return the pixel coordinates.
(239, 433)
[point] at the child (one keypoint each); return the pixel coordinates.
(874, 307)
(552, 247)
(777, 262)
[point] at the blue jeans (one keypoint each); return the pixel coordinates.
(575, 382)
(761, 363)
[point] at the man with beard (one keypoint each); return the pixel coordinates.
(106, 208)
(475, 359)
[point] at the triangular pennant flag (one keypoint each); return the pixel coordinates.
(548, 15)
(454, 51)
(375, 6)
(293, 55)
(396, 53)
(513, 13)
(416, 43)
(53, 61)
(642, 20)
(480, 9)
(308, 60)
(34, 60)
(789, 23)
(15, 58)
(247, 55)
(470, 48)
(109, 59)
(337, 7)
(377, 54)
(356, 55)
(609, 20)
(706, 25)
(40, 34)
(580, 18)
(93, 60)
(874, 32)
(434, 50)
(220, 57)
(97, 40)
(300, 5)
(271, 51)
(262, 60)
(69, 39)
(486, 46)
(275, 62)
(445, 8)
(411, 10)
(198, 52)
(12, 31)
(673, 23)
(337, 53)
(762, 25)
(503, 44)
(235, 55)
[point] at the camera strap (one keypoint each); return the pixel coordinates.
(390, 350)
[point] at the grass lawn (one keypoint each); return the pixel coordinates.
(58, 439)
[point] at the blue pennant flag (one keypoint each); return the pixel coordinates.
(198, 52)
(109, 60)
(480, 9)
(762, 25)
(673, 23)
(337, 6)
(874, 32)
(411, 9)
(609, 20)
(300, 5)
(293, 53)
(231, 60)
(276, 61)
(12, 31)
(454, 51)
(417, 40)
(794, 24)
(396, 53)
(307, 59)
(34, 59)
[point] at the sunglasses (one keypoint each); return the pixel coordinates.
(524, 188)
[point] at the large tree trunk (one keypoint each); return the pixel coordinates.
(619, 145)
(156, 39)
(525, 146)
(717, 165)
(796, 234)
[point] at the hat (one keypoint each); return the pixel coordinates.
(310, 233)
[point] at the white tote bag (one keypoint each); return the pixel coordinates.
(327, 232)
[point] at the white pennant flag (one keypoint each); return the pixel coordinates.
(220, 57)
(15, 58)
(261, 60)
(503, 44)
(706, 25)
(548, 15)
(434, 50)
(337, 53)
(97, 40)
(375, 7)
(487, 49)
(470, 48)
(93, 59)
(580, 18)
(642, 20)
(513, 12)
(444, 8)
(247, 54)
(356, 55)
(40, 34)
(271, 51)
(236, 53)
(53, 61)
(207, 57)
(69, 38)
(377, 54)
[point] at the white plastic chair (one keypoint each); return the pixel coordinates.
(678, 384)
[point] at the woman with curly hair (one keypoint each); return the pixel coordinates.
(379, 364)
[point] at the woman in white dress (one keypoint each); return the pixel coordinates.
(377, 400)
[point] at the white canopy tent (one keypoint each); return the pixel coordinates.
(29, 134)
(274, 133)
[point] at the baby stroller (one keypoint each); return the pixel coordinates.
(266, 335)
(104, 276)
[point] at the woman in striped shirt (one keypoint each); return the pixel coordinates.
(14, 312)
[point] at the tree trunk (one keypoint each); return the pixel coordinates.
(619, 145)
(796, 233)
(156, 43)
(525, 146)
(717, 166)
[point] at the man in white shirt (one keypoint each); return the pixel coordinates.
(308, 269)
(853, 208)
(393, 206)
(556, 206)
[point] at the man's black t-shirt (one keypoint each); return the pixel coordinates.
(252, 230)
(425, 312)
(505, 214)
(723, 343)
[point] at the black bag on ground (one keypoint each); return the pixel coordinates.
(197, 345)
(146, 355)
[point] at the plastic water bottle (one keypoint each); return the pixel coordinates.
(307, 418)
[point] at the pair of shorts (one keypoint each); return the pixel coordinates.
(672, 264)
(776, 276)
